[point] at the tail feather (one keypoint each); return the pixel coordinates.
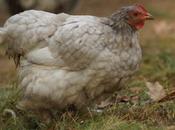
(2, 35)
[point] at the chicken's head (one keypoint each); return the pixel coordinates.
(137, 15)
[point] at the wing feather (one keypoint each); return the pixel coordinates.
(79, 41)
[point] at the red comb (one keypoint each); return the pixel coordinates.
(141, 6)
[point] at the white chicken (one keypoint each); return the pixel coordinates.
(69, 59)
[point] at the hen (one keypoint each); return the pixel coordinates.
(70, 59)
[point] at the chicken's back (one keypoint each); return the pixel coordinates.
(30, 30)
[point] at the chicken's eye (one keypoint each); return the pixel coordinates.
(136, 14)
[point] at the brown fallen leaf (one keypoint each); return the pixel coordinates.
(156, 91)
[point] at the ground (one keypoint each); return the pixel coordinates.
(158, 44)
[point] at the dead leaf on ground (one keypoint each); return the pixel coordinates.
(156, 91)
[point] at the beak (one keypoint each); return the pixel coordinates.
(148, 16)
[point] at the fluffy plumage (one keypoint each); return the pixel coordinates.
(68, 59)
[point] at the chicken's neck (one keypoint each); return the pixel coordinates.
(118, 22)
(123, 30)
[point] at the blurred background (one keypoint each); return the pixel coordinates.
(158, 45)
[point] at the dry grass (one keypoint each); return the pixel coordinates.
(158, 65)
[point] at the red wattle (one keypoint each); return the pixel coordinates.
(139, 25)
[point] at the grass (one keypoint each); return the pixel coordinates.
(158, 65)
